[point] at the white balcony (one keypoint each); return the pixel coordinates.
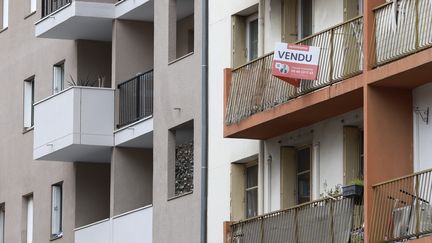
(136, 135)
(91, 20)
(78, 20)
(130, 227)
(75, 125)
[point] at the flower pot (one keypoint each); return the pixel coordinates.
(355, 191)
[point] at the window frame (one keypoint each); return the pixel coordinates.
(298, 149)
(28, 221)
(61, 82)
(249, 19)
(27, 125)
(2, 222)
(59, 234)
(248, 189)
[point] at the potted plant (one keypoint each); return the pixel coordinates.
(353, 189)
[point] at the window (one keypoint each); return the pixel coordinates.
(4, 11)
(28, 103)
(251, 191)
(352, 9)
(252, 37)
(2, 222)
(303, 175)
(295, 175)
(181, 28)
(244, 189)
(305, 18)
(33, 6)
(56, 210)
(28, 220)
(58, 77)
(181, 164)
(244, 34)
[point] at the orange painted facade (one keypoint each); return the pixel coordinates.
(384, 92)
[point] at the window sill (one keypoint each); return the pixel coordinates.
(3, 30)
(29, 15)
(180, 58)
(179, 196)
(28, 129)
(56, 237)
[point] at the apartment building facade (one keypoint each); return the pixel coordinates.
(363, 121)
(102, 137)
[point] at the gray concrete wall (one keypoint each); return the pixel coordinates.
(92, 193)
(177, 85)
(22, 56)
(132, 179)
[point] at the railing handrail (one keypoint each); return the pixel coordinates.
(336, 198)
(300, 41)
(381, 6)
(134, 77)
(402, 178)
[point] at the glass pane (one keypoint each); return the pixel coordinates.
(303, 182)
(253, 39)
(303, 160)
(252, 203)
(252, 176)
(2, 221)
(306, 18)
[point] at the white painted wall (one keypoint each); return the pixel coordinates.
(422, 99)
(222, 152)
(326, 138)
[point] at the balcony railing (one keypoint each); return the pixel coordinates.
(50, 6)
(136, 98)
(402, 28)
(254, 89)
(402, 208)
(328, 220)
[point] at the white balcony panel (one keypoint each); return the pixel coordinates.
(75, 125)
(140, 10)
(136, 135)
(133, 227)
(78, 20)
(95, 233)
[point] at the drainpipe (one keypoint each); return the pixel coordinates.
(261, 31)
(261, 16)
(204, 120)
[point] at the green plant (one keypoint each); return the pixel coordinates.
(99, 82)
(356, 182)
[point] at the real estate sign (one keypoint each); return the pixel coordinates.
(293, 63)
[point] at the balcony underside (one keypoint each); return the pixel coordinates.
(409, 72)
(91, 20)
(78, 20)
(80, 152)
(136, 135)
(300, 112)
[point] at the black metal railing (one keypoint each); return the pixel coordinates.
(136, 98)
(50, 6)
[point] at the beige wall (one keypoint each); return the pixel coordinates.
(92, 193)
(132, 49)
(177, 85)
(184, 27)
(132, 179)
(22, 55)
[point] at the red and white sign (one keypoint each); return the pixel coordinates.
(292, 63)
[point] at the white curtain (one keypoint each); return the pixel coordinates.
(30, 219)
(5, 15)
(56, 210)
